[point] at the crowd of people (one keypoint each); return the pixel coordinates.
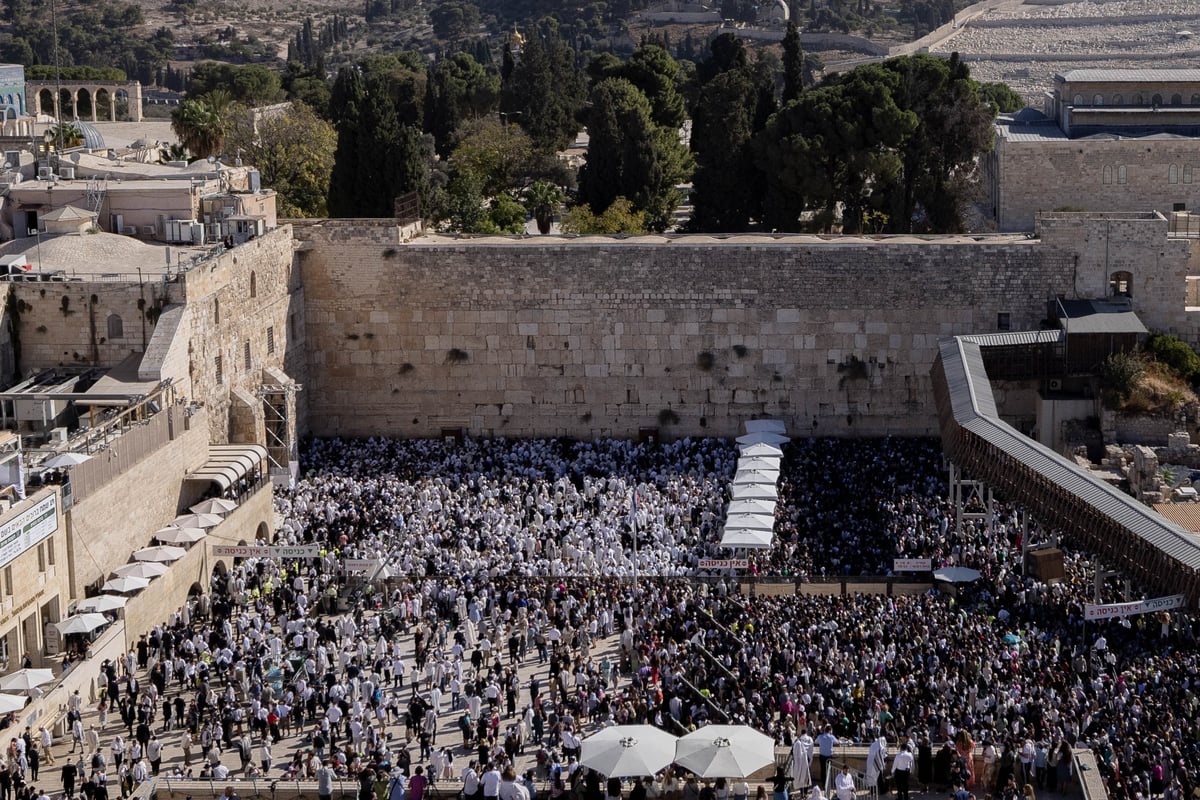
(512, 627)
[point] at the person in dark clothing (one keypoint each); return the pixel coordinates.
(943, 763)
(69, 773)
(925, 763)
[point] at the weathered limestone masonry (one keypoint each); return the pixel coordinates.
(599, 337)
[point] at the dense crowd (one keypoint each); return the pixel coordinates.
(519, 555)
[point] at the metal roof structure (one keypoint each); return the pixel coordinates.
(1091, 316)
(1130, 76)
(1113, 524)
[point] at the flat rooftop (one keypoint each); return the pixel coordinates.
(92, 256)
(709, 240)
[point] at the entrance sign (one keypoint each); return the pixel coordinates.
(912, 565)
(724, 563)
(273, 551)
(1120, 610)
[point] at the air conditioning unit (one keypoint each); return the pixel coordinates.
(148, 230)
(66, 173)
(58, 435)
(1055, 384)
(129, 230)
(44, 173)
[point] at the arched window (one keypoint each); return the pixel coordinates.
(1077, 100)
(1156, 101)
(1122, 174)
(1121, 284)
(1195, 100)
(1173, 173)
(1098, 100)
(1187, 173)
(1137, 99)
(1176, 99)
(217, 311)
(253, 285)
(116, 328)
(1117, 100)
(1108, 174)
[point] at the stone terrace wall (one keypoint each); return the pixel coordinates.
(554, 337)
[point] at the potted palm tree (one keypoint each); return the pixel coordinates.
(542, 199)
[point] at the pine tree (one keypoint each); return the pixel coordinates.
(793, 63)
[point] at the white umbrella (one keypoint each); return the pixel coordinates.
(748, 539)
(759, 463)
(627, 751)
(159, 553)
(213, 505)
(763, 437)
(751, 476)
(11, 702)
(751, 507)
(750, 522)
(122, 585)
(754, 491)
(25, 679)
(725, 751)
(173, 535)
(766, 426)
(82, 623)
(141, 569)
(956, 574)
(61, 460)
(761, 450)
(102, 602)
(197, 521)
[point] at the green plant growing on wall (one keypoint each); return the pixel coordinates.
(852, 369)
(667, 417)
(705, 361)
(456, 356)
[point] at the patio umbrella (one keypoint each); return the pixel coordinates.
(173, 535)
(751, 522)
(123, 584)
(748, 539)
(744, 477)
(766, 426)
(725, 751)
(754, 491)
(62, 460)
(10, 703)
(82, 623)
(956, 574)
(762, 437)
(141, 569)
(159, 553)
(25, 679)
(197, 521)
(102, 602)
(761, 450)
(751, 507)
(213, 505)
(628, 751)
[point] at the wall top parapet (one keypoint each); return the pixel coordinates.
(54, 84)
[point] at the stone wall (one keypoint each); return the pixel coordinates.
(605, 337)
(119, 518)
(1101, 244)
(1038, 176)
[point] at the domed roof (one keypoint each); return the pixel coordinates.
(92, 139)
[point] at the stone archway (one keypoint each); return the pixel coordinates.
(264, 534)
(104, 105)
(85, 106)
(44, 103)
(66, 105)
(121, 108)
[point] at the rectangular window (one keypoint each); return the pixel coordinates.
(246, 350)
(220, 375)
(1122, 174)
(1004, 321)
(41, 558)
(1187, 173)
(271, 341)
(50, 551)
(8, 586)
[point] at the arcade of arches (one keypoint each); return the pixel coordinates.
(89, 101)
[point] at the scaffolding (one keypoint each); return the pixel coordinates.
(969, 496)
(278, 402)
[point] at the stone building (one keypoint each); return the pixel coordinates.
(1108, 140)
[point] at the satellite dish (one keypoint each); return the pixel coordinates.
(75, 157)
(212, 159)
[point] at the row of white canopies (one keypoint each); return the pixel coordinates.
(750, 519)
(148, 563)
(714, 751)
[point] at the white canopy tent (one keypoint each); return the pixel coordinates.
(760, 450)
(746, 539)
(754, 491)
(746, 477)
(761, 522)
(765, 463)
(751, 507)
(764, 437)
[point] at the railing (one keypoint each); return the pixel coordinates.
(1183, 226)
(861, 784)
